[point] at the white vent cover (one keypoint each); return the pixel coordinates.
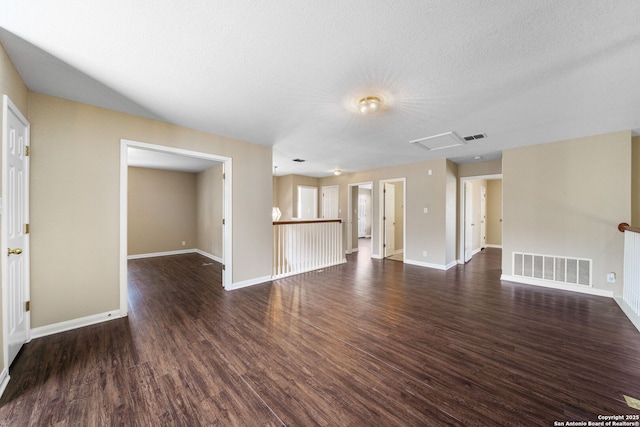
(439, 142)
(564, 270)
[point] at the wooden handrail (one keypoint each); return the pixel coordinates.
(623, 226)
(308, 221)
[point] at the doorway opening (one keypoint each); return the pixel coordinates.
(131, 152)
(393, 218)
(360, 216)
(480, 215)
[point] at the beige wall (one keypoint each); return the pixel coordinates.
(494, 212)
(12, 85)
(286, 194)
(425, 232)
(75, 203)
(162, 211)
(210, 211)
(491, 167)
(635, 181)
(566, 199)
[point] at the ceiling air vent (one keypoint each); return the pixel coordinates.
(474, 137)
(439, 142)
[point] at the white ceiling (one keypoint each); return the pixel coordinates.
(288, 74)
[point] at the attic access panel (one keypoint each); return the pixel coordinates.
(439, 142)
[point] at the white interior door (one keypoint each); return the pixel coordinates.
(15, 217)
(483, 217)
(330, 202)
(362, 215)
(389, 219)
(468, 221)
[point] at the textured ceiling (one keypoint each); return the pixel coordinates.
(287, 74)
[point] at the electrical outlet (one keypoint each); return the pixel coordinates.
(611, 277)
(424, 253)
(184, 243)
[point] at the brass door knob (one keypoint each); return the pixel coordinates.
(16, 251)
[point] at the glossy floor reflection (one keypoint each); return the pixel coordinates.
(369, 342)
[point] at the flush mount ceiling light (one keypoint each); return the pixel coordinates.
(369, 105)
(337, 172)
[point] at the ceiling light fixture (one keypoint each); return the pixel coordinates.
(369, 105)
(337, 172)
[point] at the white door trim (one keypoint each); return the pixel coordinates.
(461, 210)
(227, 256)
(7, 105)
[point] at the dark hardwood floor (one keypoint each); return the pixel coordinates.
(367, 343)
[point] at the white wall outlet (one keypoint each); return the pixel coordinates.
(184, 243)
(424, 253)
(429, 172)
(611, 277)
(426, 210)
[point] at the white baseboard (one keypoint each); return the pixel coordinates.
(494, 246)
(4, 380)
(156, 254)
(178, 252)
(68, 325)
(635, 319)
(208, 255)
(563, 287)
(430, 265)
(250, 282)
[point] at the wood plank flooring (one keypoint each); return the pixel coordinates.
(367, 343)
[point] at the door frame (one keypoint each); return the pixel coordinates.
(461, 210)
(227, 241)
(7, 105)
(382, 210)
(350, 248)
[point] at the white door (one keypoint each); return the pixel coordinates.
(468, 221)
(15, 217)
(330, 202)
(307, 202)
(483, 217)
(362, 215)
(389, 219)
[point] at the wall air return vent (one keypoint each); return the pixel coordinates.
(563, 270)
(439, 142)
